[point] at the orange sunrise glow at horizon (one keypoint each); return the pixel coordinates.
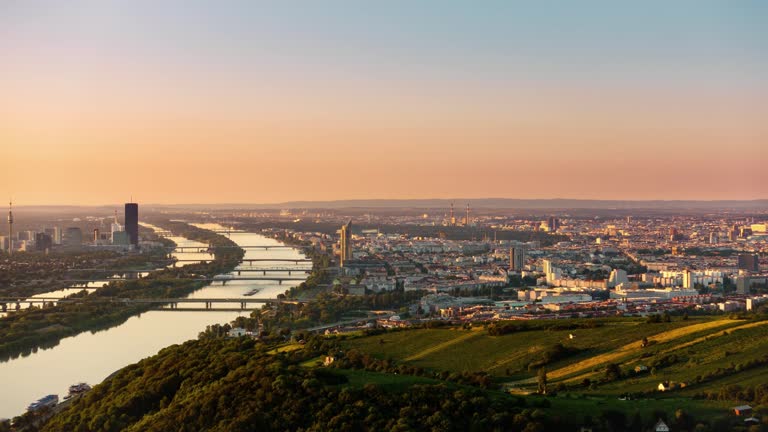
(245, 103)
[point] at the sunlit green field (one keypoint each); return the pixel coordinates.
(698, 346)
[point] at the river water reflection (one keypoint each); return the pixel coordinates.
(91, 357)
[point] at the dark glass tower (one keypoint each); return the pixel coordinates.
(132, 223)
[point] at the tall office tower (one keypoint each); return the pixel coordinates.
(95, 235)
(553, 223)
(629, 219)
(55, 234)
(10, 228)
(516, 258)
(346, 248)
(73, 237)
(43, 241)
(132, 223)
(452, 220)
(749, 262)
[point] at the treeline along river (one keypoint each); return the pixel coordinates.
(92, 356)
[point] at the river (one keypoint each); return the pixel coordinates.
(91, 357)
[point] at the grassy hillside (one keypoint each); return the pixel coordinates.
(441, 379)
(702, 352)
(240, 385)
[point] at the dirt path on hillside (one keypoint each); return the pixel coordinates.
(446, 344)
(624, 351)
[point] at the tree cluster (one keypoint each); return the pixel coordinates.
(236, 385)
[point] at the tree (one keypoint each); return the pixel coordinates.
(542, 379)
(683, 420)
(612, 372)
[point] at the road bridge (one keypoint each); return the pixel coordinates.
(263, 270)
(220, 278)
(210, 249)
(249, 260)
(173, 303)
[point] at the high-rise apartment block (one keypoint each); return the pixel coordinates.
(516, 258)
(344, 243)
(749, 262)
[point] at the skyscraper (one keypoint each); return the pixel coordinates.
(553, 223)
(73, 237)
(346, 249)
(43, 241)
(132, 223)
(10, 228)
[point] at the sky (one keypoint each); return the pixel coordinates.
(187, 101)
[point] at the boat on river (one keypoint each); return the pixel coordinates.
(77, 389)
(47, 401)
(252, 292)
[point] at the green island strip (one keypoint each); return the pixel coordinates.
(30, 329)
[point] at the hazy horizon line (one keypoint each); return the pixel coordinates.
(459, 200)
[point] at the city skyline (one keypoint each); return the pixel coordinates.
(350, 215)
(273, 103)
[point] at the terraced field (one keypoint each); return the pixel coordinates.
(683, 350)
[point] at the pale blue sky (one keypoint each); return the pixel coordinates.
(676, 83)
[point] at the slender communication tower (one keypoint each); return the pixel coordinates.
(452, 220)
(10, 227)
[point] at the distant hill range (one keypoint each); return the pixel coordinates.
(500, 203)
(459, 203)
(524, 204)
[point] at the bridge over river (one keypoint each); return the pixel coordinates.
(222, 279)
(211, 249)
(173, 303)
(135, 273)
(248, 260)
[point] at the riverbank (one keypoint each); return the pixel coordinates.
(93, 356)
(23, 332)
(34, 273)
